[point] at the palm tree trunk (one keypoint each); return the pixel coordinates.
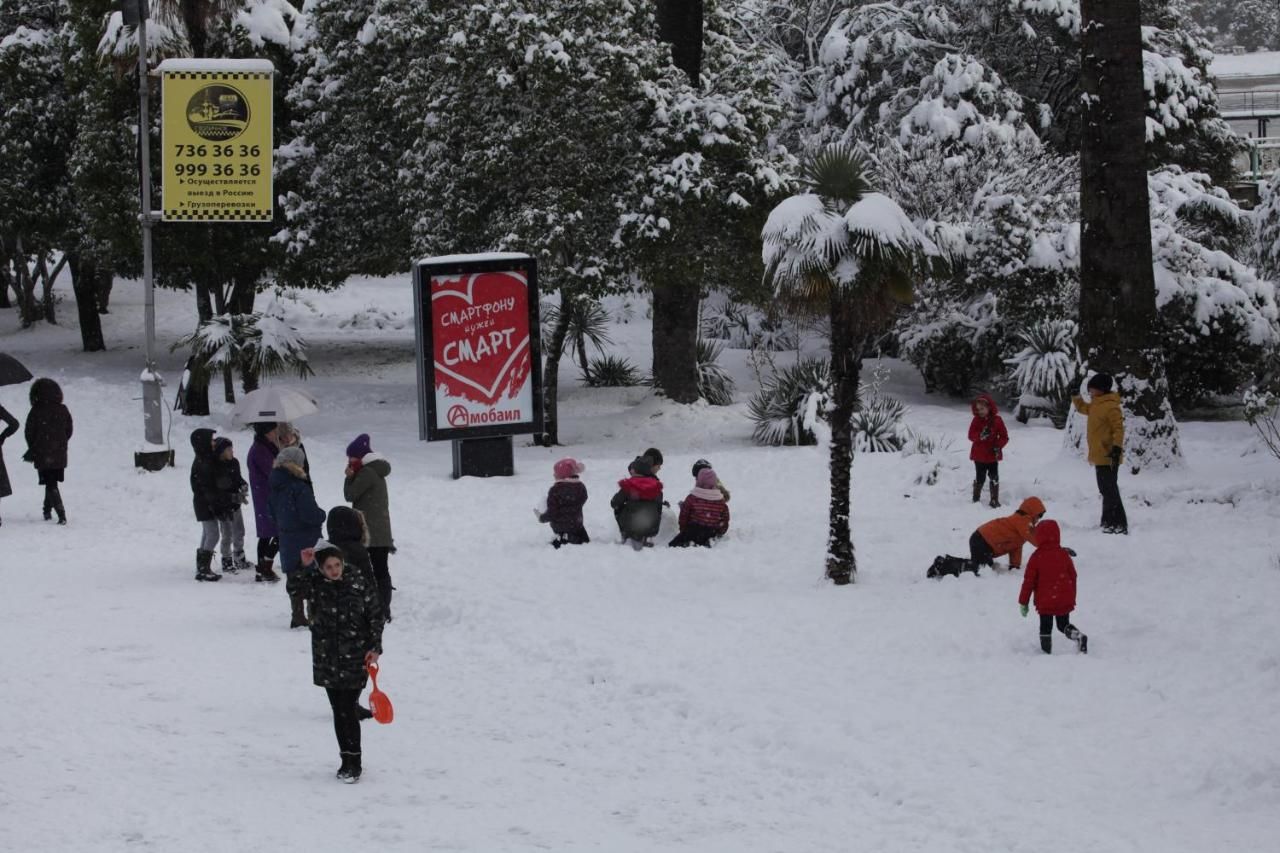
(1118, 318)
(846, 367)
(675, 339)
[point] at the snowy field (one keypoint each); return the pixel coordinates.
(599, 699)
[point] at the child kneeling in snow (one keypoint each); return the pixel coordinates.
(701, 464)
(996, 538)
(1051, 578)
(637, 506)
(704, 514)
(565, 499)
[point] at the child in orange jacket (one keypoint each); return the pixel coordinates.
(1006, 535)
(1051, 577)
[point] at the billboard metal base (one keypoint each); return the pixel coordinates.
(484, 457)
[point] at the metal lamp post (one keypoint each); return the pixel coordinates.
(135, 14)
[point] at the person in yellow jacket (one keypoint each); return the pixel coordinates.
(1105, 434)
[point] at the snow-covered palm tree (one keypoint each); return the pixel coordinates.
(853, 251)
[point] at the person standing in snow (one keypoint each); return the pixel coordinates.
(365, 488)
(11, 426)
(206, 500)
(346, 636)
(1104, 431)
(988, 436)
(1006, 535)
(704, 513)
(1051, 579)
(565, 500)
(233, 492)
(298, 519)
(48, 432)
(637, 505)
(261, 459)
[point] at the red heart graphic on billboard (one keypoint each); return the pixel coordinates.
(480, 335)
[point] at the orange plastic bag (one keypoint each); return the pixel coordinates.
(379, 704)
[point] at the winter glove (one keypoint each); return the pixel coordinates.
(985, 434)
(1069, 551)
(1115, 457)
(1024, 609)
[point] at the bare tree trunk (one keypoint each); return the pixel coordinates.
(47, 278)
(1117, 284)
(551, 375)
(106, 281)
(28, 310)
(846, 368)
(85, 276)
(6, 277)
(675, 339)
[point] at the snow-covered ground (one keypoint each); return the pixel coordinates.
(599, 699)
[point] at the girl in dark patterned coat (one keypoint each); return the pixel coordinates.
(704, 514)
(48, 432)
(10, 427)
(346, 636)
(565, 500)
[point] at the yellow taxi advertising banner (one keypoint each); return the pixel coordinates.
(216, 138)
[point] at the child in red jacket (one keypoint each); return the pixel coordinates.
(1051, 577)
(988, 435)
(704, 514)
(637, 506)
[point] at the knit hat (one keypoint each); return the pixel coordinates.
(699, 465)
(1101, 381)
(359, 448)
(263, 427)
(655, 455)
(641, 466)
(291, 456)
(707, 479)
(568, 467)
(219, 445)
(325, 550)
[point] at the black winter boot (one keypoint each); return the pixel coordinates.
(48, 512)
(265, 574)
(297, 617)
(204, 563)
(977, 491)
(995, 494)
(62, 513)
(228, 566)
(349, 772)
(1046, 643)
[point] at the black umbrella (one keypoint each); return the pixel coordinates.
(12, 372)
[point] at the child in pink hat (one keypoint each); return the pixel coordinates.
(564, 504)
(704, 514)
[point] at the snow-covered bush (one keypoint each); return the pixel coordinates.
(611, 371)
(259, 344)
(1262, 411)
(743, 327)
(715, 385)
(878, 426)
(1045, 369)
(782, 405)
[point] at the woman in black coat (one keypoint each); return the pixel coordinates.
(48, 431)
(10, 427)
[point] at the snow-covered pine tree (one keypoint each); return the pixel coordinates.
(340, 176)
(703, 190)
(34, 136)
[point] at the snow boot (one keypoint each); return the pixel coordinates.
(1082, 642)
(204, 562)
(349, 772)
(61, 512)
(995, 494)
(1046, 643)
(363, 713)
(297, 616)
(229, 567)
(977, 491)
(241, 562)
(48, 512)
(265, 574)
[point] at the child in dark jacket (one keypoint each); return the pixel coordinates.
(704, 514)
(206, 501)
(233, 493)
(1051, 578)
(564, 504)
(988, 436)
(637, 506)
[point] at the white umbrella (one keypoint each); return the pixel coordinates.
(273, 405)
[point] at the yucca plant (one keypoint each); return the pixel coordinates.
(778, 409)
(714, 382)
(612, 372)
(878, 427)
(854, 252)
(1045, 369)
(588, 324)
